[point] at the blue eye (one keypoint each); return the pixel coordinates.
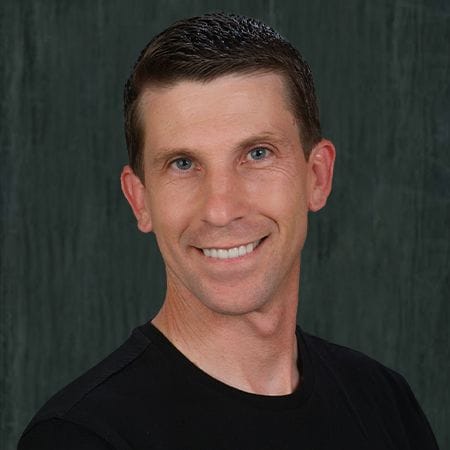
(258, 153)
(183, 163)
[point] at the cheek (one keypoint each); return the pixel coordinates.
(281, 193)
(170, 207)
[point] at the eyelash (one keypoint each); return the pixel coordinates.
(184, 158)
(173, 163)
(260, 148)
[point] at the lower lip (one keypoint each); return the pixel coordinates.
(236, 259)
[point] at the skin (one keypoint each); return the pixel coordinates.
(224, 166)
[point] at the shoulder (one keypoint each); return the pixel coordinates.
(346, 362)
(83, 410)
(355, 369)
(371, 389)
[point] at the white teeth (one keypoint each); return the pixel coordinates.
(234, 252)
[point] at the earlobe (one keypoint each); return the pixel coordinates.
(321, 165)
(134, 192)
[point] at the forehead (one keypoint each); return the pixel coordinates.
(225, 110)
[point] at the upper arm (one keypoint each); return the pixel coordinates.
(56, 434)
(415, 422)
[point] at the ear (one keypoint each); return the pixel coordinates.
(134, 192)
(320, 174)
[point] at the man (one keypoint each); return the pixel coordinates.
(226, 161)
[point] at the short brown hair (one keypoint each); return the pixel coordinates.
(206, 47)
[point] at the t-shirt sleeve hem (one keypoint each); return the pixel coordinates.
(57, 433)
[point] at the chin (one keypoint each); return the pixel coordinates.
(233, 304)
(231, 310)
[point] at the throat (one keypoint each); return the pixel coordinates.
(238, 356)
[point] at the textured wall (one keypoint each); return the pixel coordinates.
(76, 275)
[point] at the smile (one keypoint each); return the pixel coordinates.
(233, 252)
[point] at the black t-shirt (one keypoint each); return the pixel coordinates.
(148, 395)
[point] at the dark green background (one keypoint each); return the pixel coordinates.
(77, 276)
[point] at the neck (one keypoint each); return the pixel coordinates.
(254, 352)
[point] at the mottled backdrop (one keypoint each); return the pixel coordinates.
(77, 276)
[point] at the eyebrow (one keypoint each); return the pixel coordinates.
(167, 154)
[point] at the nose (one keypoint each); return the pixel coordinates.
(224, 198)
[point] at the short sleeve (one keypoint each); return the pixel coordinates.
(416, 424)
(56, 434)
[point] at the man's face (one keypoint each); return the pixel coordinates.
(227, 190)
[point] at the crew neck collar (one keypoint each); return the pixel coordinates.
(198, 376)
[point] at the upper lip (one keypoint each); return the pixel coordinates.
(226, 247)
